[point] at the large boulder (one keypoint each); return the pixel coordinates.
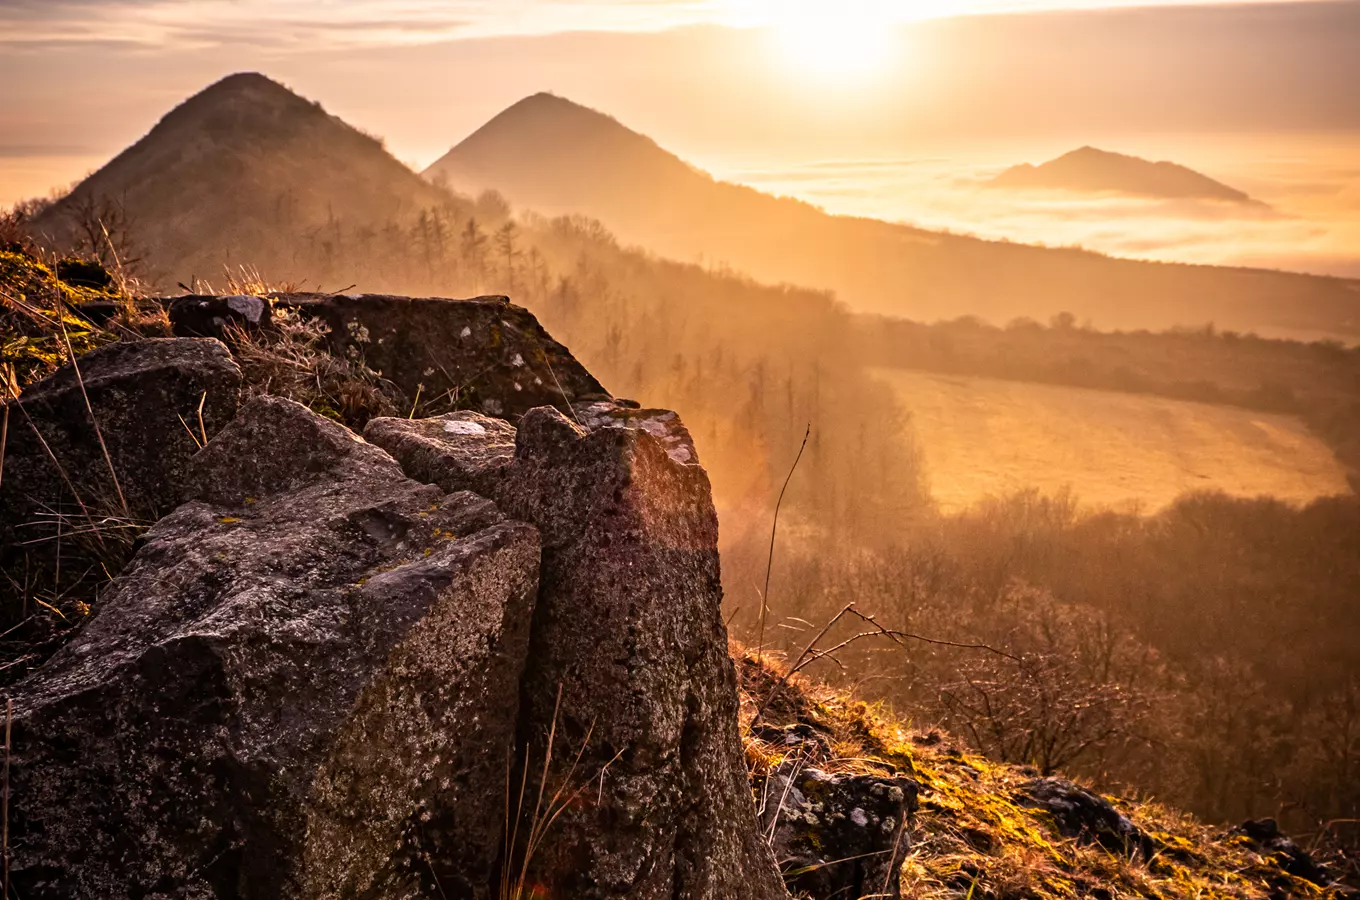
(304, 685)
(628, 661)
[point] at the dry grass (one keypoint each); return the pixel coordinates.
(57, 562)
(291, 360)
(970, 838)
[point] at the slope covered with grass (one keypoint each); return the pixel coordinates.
(977, 834)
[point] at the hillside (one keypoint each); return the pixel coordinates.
(555, 156)
(1092, 170)
(1004, 832)
(241, 172)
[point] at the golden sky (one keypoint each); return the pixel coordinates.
(776, 80)
(387, 22)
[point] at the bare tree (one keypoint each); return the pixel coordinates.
(103, 230)
(1075, 685)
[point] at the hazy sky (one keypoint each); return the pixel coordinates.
(365, 22)
(709, 79)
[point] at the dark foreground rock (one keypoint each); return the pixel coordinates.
(628, 633)
(1264, 837)
(69, 513)
(304, 685)
(837, 835)
(1085, 816)
(144, 401)
(484, 354)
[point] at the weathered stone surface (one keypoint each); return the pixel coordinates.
(145, 399)
(1085, 815)
(628, 630)
(304, 685)
(837, 835)
(484, 354)
(662, 424)
(433, 450)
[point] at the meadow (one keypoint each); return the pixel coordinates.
(982, 437)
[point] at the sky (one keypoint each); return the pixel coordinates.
(349, 23)
(744, 86)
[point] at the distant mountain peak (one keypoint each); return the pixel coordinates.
(591, 152)
(549, 111)
(1090, 169)
(239, 164)
(245, 100)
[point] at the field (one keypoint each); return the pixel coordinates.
(983, 436)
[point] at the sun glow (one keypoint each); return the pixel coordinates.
(828, 39)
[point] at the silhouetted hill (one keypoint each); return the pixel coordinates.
(558, 157)
(230, 171)
(1092, 170)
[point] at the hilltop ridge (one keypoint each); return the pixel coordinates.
(1088, 169)
(558, 157)
(232, 168)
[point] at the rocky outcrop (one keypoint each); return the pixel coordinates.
(326, 673)
(304, 685)
(837, 835)
(484, 354)
(628, 634)
(1085, 816)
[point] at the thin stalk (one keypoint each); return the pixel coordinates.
(769, 563)
(98, 433)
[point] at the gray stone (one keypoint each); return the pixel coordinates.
(304, 685)
(837, 835)
(457, 451)
(1085, 816)
(63, 524)
(628, 632)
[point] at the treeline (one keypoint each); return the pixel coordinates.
(1318, 381)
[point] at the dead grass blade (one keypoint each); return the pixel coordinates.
(98, 432)
(774, 529)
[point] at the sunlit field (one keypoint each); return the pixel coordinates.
(982, 436)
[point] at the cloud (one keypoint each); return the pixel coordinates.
(37, 24)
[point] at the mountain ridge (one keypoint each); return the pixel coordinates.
(1091, 170)
(872, 265)
(244, 158)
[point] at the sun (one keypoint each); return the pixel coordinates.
(829, 39)
(845, 39)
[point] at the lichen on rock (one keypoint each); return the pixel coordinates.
(304, 685)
